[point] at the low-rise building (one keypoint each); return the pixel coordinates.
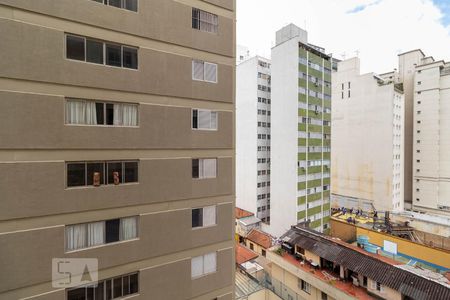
(258, 241)
(309, 265)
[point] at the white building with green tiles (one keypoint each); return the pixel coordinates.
(300, 145)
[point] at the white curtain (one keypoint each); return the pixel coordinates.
(117, 114)
(91, 113)
(96, 233)
(128, 228)
(209, 215)
(81, 112)
(76, 236)
(197, 266)
(210, 263)
(75, 111)
(129, 114)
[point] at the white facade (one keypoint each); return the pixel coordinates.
(431, 142)
(284, 136)
(253, 135)
(367, 139)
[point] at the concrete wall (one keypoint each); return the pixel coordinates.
(342, 230)
(361, 123)
(35, 145)
(284, 147)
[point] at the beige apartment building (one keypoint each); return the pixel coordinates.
(117, 143)
(367, 140)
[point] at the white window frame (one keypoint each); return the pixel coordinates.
(205, 63)
(205, 110)
(203, 273)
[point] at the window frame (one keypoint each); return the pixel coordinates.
(203, 216)
(199, 21)
(104, 42)
(104, 102)
(204, 63)
(203, 264)
(105, 173)
(199, 169)
(122, 5)
(103, 281)
(66, 250)
(198, 114)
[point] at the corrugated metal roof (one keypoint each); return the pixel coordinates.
(409, 284)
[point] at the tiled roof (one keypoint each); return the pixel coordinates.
(405, 282)
(244, 254)
(241, 213)
(260, 238)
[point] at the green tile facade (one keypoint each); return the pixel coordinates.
(315, 96)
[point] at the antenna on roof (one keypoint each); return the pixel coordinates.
(343, 55)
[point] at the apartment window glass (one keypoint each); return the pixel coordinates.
(94, 51)
(204, 168)
(306, 287)
(131, 171)
(98, 173)
(95, 173)
(204, 119)
(115, 288)
(131, 5)
(113, 55)
(89, 50)
(76, 174)
(81, 236)
(75, 47)
(130, 58)
(204, 21)
(204, 216)
(203, 265)
(204, 71)
(89, 112)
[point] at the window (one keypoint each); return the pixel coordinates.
(131, 5)
(263, 252)
(349, 94)
(98, 173)
(305, 286)
(91, 50)
(89, 112)
(204, 168)
(114, 287)
(204, 21)
(203, 265)
(203, 119)
(204, 71)
(251, 246)
(204, 216)
(80, 236)
(379, 287)
(324, 296)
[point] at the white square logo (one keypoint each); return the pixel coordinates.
(73, 272)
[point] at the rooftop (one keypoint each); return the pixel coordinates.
(243, 254)
(260, 238)
(242, 213)
(377, 268)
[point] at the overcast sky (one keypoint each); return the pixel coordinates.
(378, 29)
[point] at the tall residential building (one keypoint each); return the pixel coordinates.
(367, 139)
(431, 138)
(300, 132)
(407, 63)
(253, 136)
(117, 144)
